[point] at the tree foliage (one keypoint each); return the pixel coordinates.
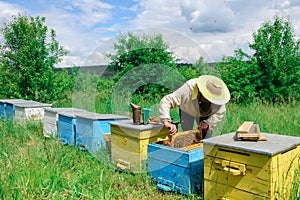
(241, 76)
(272, 72)
(28, 55)
(277, 54)
(144, 63)
(134, 50)
(190, 71)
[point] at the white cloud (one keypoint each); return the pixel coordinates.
(74, 24)
(8, 9)
(210, 29)
(91, 12)
(208, 16)
(157, 13)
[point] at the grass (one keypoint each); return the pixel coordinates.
(32, 167)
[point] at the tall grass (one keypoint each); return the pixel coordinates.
(32, 167)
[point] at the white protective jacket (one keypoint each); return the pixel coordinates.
(185, 98)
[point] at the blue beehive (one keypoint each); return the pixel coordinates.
(51, 119)
(7, 108)
(92, 129)
(66, 128)
(178, 170)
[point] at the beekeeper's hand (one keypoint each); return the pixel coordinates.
(172, 127)
(203, 126)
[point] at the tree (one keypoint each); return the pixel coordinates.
(144, 63)
(28, 56)
(241, 76)
(277, 54)
(272, 72)
(133, 51)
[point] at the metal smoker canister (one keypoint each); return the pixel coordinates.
(137, 113)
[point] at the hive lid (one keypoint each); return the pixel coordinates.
(275, 143)
(58, 110)
(12, 100)
(130, 125)
(72, 114)
(97, 116)
(27, 104)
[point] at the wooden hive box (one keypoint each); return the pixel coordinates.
(66, 128)
(93, 130)
(51, 119)
(29, 110)
(173, 169)
(250, 169)
(7, 108)
(129, 144)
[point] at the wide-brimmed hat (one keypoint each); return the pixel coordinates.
(213, 89)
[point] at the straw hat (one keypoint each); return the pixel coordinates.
(213, 89)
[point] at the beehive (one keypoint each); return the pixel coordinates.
(250, 169)
(29, 110)
(174, 169)
(7, 108)
(66, 128)
(93, 128)
(129, 144)
(51, 119)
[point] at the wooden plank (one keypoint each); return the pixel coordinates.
(193, 146)
(248, 135)
(245, 127)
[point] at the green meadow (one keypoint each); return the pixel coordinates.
(33, 167)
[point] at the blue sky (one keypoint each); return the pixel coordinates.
(192, 28)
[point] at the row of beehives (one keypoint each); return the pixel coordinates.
(127, 143)
(220, 167)
(72, 126)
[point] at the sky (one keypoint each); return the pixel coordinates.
(209, 29)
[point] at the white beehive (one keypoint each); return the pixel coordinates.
(29, 110)
(51, 119)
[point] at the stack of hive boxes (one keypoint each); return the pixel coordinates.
(129, 144)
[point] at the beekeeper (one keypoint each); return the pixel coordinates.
(202, 99)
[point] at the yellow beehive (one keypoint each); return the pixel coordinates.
(129, 143)
(250, 169)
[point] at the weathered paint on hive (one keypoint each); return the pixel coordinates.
(7, 108)
(260, 170)
(51, 119)
(29, 110)
(91, 128)
(175, 169)
(66, 128)
(129, 144)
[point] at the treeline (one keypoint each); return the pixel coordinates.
(145, 69)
